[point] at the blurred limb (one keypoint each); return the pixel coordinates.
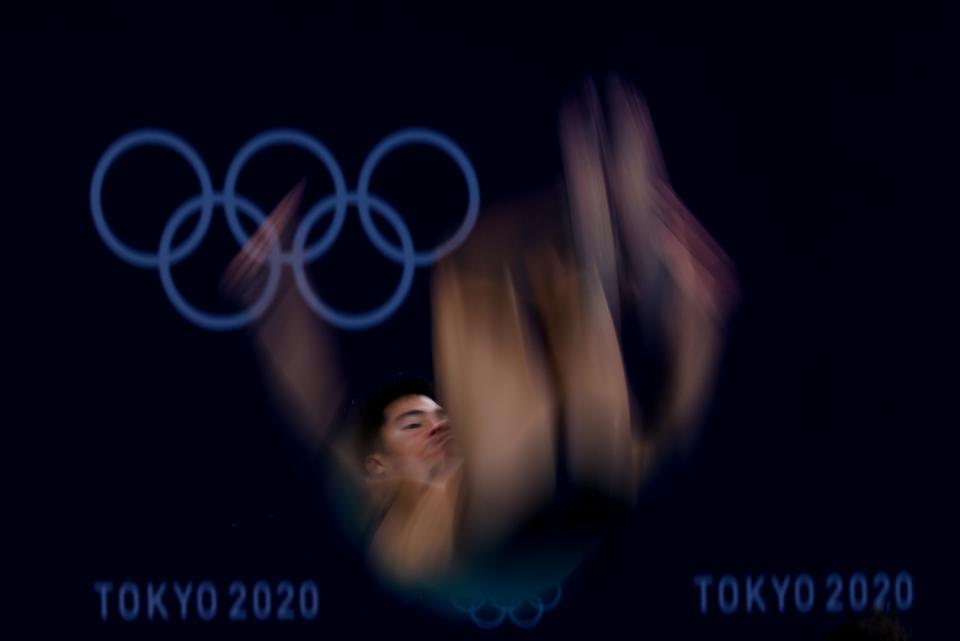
(589, 373)
(415, 538)
(699, 289)
(670, 267)
(647, 208)
(635, 168)
(693, 341)
(583, 142)
(496, 391)
(292, 342)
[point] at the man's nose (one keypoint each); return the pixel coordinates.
(439, 425)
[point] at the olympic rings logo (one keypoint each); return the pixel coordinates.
(233, 204)
(524, 612)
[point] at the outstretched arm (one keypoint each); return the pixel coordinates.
(292, 343)
(697, 286)
(697, 293)
(663, 261)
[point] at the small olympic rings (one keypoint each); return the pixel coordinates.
(524, 612)
(297, 258)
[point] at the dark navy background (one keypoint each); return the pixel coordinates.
(151, 450)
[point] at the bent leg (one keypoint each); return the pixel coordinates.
(497, 393)
(592, 381)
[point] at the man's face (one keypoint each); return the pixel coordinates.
(417, 442)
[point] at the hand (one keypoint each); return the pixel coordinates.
(244, 274)
(700, 268)
(655, 223)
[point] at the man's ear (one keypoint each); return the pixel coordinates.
(375, 466)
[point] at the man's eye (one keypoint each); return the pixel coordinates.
(411, 426)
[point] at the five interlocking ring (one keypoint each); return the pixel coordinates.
(168, 255)
(524, 612)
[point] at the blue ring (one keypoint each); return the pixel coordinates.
(167, 255)
(344, 320)
(270, 138)
(488, 624)
(162, 138)
(425, 137)
(556, 600)
(298, 254)
(526, 624)
(206, 320)
(509, 607)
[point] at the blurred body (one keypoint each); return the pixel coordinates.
(527, 355)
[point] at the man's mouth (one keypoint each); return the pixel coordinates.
(442, 440)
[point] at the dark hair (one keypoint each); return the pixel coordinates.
(372, 414)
